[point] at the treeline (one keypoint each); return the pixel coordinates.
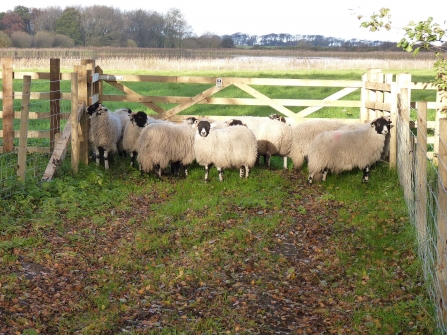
(105, 26)
(98, 26)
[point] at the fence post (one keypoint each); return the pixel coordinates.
(405, 148)
(84, 122)
(401, 92)
(55, 95)
(442, 221)
(23, 141)
(441, 105)
(421, 176)
(74, 124)
(8, 105)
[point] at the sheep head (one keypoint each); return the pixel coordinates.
(381, 125)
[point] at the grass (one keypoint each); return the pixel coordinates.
(137, 255)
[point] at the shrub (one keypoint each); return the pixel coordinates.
(20, 39)
(63, 41)
(43, 39)
(5, 41)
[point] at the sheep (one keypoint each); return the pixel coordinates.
(274, 138)
(132, 132)
(106, 131)
(304, 133)
(164, 143)
(230, 147)
(343, 150)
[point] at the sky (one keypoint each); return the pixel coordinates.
(329, 18)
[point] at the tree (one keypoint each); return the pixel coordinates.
(12, 22)
(45, 19)
(209, 40)
(227, 42)
(25, 14)
(176, 28)
(69, 25)
(422, 35)
(102, 26)
(145, 28)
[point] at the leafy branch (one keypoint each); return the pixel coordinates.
(422, 35)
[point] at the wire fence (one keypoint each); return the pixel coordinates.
(421, 180)
(38, 146)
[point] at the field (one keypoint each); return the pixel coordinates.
(114, 252)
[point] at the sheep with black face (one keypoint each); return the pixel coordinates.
(225, 148)
(346, 149)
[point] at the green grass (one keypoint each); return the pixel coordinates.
(184, 256)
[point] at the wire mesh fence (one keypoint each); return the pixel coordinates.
(38, 146)
(421, 181)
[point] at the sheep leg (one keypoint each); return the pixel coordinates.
(241, 172)
(106, 159)
(97, 155)
(267, 160)
(247, 171)
(285, 163)
(207, 171)
(365, 175)
(132, 158)
(310, 178)
(325, 174)
(220, 173)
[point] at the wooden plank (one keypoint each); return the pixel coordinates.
(199, 97)
(39, 95)
(232, 80)
(384, 87)
(58, 153)
(132, 93)
(76, 111)
(383, 106)
(335, 96)
(270, 102)
(84, 124)
(422, 86)
(23, 142)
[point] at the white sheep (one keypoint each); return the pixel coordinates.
(106, 131)
(272, 133)
(346, 149)
(304, 133)
(164, 143)
(132, 131)
(229, 147)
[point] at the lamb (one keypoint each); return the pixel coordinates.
(230, 147)
(132, 132)
(106, 131)
(164, 143)
(304, 133)
(343, 150)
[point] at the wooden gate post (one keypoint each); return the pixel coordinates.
(8, 105)
(402, 94)
(55, 95)
(84, 123)
(74, 124)
(441, 107)
(421, 176)
(441, 268)
(23, 141)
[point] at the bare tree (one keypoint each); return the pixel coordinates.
(145, 28)
(176, 28)
(45, 19)
(102, 26)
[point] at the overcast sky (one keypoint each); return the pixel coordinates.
(329, 18)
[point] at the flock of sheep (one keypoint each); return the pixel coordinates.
(327, 145)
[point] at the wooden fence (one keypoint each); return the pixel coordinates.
(379, 96)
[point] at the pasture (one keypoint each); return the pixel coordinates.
(114, 252)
